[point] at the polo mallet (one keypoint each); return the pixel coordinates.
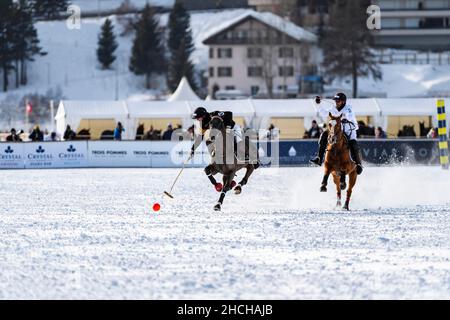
(169, 194)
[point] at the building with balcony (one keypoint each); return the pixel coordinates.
(262, 54)
(414, 24)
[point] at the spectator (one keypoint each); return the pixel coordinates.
(69, 134)
(36, 134)
(380, 134)
(432, 134)
(274, 132)
(167, 135)
(315, 131)
(13, 137)
(118, 131)
(51, 137)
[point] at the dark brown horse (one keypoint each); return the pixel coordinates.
(220, 144)
(338, 161)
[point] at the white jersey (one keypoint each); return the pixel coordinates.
(347, 114)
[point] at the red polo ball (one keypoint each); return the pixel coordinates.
(156, 207)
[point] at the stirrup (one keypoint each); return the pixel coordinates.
(316, 161)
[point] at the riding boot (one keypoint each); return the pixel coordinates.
(318, 160)
(356, 155)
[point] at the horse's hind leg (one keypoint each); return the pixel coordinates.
(342, 181)
(210, 172)
(337, 182)
(248, 173)
(352, 180)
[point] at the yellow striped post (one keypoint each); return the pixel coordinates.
(442, 132)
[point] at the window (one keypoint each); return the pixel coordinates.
(211, 53)
(211, 72)
(286, 52)
(230, 87)
(254, 52)
(287, 71)
(254, 90)
(224, 53)
(254, 71)
(224, 72)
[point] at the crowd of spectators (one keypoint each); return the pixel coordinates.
(272, 133)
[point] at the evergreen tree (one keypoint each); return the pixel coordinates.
(49, 9)
(181, 46)
(347, 42)
(147, 56)
(6, 40)
(18, 40)
(26, 41)
(107, 44)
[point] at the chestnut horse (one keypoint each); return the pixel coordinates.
(338, 161)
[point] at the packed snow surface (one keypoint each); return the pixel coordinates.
(91, 233)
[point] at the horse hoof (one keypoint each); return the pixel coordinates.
(338, 204)
(343, 186)
(217, 207)
(323, 189)
(346, 207)
(238, 190)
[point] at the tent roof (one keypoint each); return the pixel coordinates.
(409, 107)
(159, 109)
(183, 92)
(92, 109)
(284, 108)
(365, 107)
(240, 108)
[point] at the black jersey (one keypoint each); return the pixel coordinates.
(226, 116)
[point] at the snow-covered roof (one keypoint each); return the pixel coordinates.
(92, 109)
(269, 19)
(184, 92)
(159, 109)
(284, 108)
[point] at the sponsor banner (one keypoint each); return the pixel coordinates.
(11, 156)
(378, 152)
(70, 154)
(119, 153)
(174, 154)
(158, 154)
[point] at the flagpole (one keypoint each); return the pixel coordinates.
(26, 116)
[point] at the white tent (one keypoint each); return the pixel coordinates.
(159, 110)
(72, 112)
(184, 92)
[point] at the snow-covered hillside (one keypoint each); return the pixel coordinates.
(71, 62)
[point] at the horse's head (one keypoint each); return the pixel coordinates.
(217, 124)
(335, 128)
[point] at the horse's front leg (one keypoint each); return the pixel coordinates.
(337, 181)
(210, 171)
(323, 187)
(248, 173)
(227, 182)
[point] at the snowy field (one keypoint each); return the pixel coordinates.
(91, 233)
